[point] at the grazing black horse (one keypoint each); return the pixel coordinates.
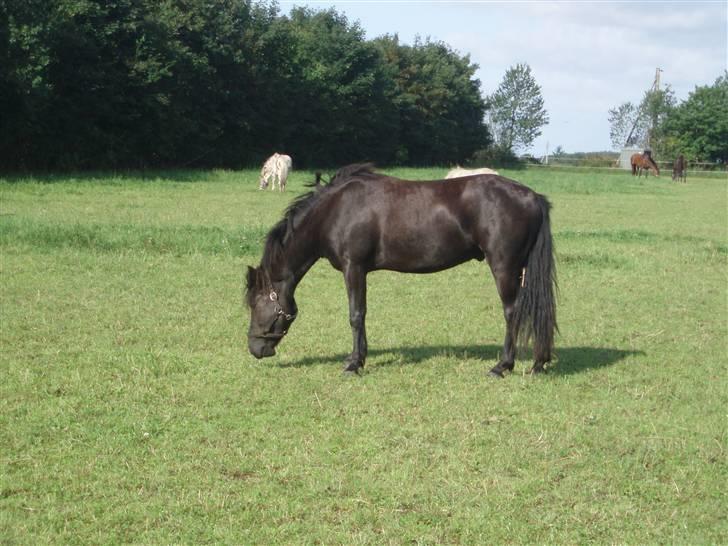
(363, 221)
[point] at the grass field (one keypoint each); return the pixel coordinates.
(131, 412)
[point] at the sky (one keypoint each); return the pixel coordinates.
(587, 57)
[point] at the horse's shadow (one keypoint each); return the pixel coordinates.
(568, 360)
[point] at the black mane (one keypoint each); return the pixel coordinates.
(299, 207)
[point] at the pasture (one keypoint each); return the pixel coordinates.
(131, 411)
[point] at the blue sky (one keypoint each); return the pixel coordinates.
(586, 56)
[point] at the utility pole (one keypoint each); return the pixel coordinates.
(656, 83)
(547, 152)
(655, 87)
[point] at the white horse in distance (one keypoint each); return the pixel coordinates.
(275, 169)
(458, 171)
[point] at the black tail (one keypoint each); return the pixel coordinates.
(535, 311)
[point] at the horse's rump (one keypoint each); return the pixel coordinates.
(284, 165)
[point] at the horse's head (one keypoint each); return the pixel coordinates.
(655, 168)
(272, 311)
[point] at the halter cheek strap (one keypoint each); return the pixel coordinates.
(279, 310)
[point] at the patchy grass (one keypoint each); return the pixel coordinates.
(131, 412)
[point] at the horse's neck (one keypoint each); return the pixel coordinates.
(298, 255)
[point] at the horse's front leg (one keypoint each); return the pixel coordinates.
(356, 288)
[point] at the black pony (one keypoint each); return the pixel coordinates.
(679, 168)
(363, 221)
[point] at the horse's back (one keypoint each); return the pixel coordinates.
(428, 226)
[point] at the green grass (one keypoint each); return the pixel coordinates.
(131, 412)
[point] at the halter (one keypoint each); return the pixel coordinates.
(279, 310)
(279, 313)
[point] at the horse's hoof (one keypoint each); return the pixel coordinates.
(495, 373)
(352, 367)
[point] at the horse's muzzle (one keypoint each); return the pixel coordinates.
(259, 348)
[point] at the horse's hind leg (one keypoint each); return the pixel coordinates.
(508, 284)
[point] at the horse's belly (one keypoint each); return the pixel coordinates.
(425, 251)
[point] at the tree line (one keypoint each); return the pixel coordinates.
(149, 83)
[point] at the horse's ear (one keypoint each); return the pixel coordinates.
(252, 277)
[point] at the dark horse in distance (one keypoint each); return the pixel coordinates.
(679, 168)
(363, 221)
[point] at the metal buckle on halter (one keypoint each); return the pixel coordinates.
(279, 310)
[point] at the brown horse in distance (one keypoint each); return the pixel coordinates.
(642, 162)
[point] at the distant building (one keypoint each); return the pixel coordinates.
(626, 154)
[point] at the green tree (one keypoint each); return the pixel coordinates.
(438, 101)
(517, 109)
(657, 106)
(641, 125)
(558, 151)
(129, 82)
(341, 110)
(698, 127)
(141, 83)
(624, 126)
